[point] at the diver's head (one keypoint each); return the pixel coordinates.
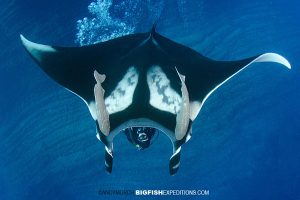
(140, 136)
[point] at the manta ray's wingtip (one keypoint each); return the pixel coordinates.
(274, 57)
(24, 40)
(35, 49)
(22, 37)
(26, 43)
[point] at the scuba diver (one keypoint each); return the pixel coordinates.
(141, 137)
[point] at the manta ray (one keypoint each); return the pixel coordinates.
(139, 84)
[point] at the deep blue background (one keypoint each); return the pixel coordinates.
(246, 140)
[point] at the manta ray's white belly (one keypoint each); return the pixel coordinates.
(121, 97)
(162, 95)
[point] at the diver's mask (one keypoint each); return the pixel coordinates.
(140, 136)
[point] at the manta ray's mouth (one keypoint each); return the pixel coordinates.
(140, 123)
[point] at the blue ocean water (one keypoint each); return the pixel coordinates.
(245, 142)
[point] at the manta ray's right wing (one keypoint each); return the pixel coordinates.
(204, 75)
(206, 80)
(222, 71)
(227, 70)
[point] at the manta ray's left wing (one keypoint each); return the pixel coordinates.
(73, 67)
